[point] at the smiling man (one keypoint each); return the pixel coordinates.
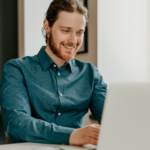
(65, 36)
(44, 98)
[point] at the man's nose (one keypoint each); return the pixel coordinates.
(72, 38)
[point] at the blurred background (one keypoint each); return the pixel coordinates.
(118, 36)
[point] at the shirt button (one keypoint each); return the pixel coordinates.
(60, 94)
(59, 74)
(59, 114)
(54, 65)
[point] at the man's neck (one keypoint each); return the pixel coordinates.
(60, 62)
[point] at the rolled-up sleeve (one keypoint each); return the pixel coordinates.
(98, 95)
(17, 115)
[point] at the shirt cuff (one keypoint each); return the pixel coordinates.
(62, 135)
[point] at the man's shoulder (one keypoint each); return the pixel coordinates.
(19, 66)
(25, 61)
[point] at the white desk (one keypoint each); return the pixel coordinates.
(30, 146)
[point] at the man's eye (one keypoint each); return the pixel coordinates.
(80, 33)
(65, 31)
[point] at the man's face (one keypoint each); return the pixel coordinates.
(66, 35)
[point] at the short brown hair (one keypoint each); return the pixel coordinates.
(57, 6)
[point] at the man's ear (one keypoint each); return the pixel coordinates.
(46, 27)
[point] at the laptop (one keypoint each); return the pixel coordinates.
(126, 118)
(125, 123)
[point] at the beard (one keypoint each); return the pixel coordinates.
(66, 56)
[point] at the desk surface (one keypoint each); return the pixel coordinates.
(30, 146)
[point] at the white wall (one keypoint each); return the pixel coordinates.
(124, 40)
(34, 15)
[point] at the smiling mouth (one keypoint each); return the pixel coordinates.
(69, 47)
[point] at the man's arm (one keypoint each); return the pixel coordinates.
(16, 110)
(89, 134)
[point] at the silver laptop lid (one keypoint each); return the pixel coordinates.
(126, 118)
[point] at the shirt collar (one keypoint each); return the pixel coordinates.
(70, 64)
(46, 61)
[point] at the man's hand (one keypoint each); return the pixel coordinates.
(86, 135)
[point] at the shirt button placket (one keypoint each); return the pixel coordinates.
(59, 113)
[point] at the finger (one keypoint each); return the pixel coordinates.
(96, 124)
(92, 128)
(90, 141)
(93, 135)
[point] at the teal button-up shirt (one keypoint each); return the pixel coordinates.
(43, 104)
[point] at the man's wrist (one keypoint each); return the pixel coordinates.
(71, 137)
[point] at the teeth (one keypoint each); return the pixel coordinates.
(68, 47)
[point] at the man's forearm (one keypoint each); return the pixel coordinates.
(24, 128)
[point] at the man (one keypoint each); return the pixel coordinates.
(45, 97)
